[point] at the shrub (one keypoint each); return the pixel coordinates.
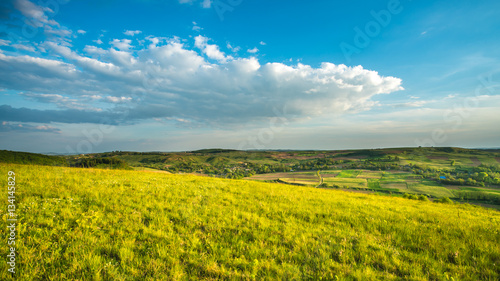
(413, 197)
(422, 197)
(444, 200)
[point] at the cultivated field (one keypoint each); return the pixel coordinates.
(389, 182)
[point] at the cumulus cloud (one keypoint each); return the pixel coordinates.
(93, 50)
(212, 51)
(123, 44)
(132, 32)
(168, 79)
(253, 51)
(81, 31)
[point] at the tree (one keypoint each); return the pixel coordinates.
(482, 176)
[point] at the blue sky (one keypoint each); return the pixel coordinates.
(144, 75)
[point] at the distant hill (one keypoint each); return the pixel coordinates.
(15, 157)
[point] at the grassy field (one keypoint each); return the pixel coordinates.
(90, 224)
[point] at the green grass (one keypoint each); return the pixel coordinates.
(431, 188)
(373, 183)
(402, 186)
(349, 174)
(89, 224)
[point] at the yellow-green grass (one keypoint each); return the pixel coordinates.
(150, 170)
(78, 224)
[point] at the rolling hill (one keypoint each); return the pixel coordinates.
(77, 223)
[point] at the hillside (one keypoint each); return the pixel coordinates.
(465, 175)
(127, 225)
(15, 157)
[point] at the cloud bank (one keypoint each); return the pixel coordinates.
(175, 79)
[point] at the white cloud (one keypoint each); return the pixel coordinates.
(196, 27)
(262, 43)
(89, 64)
(29, 65)
(59, 100)
(123, 44)
(98, 41)
(81, 31)
(212, 51)
(118, 99)
(93, 50)
(59, 31)
(24, 47)
(233, 49)
(167, 79)
(24, 127)
(253, 51)
(35, 15)
(4, 42)
(132, 32)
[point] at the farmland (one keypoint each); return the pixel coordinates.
(464, 175)
(103, 224)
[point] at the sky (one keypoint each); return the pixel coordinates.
(86, 76)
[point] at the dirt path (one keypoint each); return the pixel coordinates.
(320, 179)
